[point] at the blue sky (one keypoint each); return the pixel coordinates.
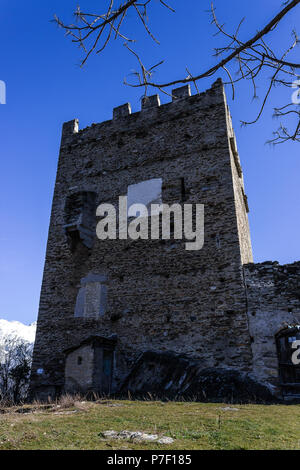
(45, 87)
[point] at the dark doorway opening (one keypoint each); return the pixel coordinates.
(104, 368)
(289, 369)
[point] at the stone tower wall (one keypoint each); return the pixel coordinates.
(160, 296)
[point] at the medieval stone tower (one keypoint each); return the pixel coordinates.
(104, 303)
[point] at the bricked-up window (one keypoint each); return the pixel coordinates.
(92, 297)
(146, 192)
(289, 370)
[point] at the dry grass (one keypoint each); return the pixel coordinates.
(68, 401)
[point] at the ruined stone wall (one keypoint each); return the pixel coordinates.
(273, 298)
(160, 297)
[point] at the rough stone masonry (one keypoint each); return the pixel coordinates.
(104, 304)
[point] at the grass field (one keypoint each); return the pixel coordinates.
(79, 425)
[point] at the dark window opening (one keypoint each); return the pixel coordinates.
(172, 225)
(73, 237)
(289, 370)
(236, 156)
(79, 219)
(141, 134)
(79, 360)
(245, 198)
(183, 190)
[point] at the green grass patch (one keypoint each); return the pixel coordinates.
(192, 425)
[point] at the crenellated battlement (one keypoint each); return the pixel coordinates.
(152, 107)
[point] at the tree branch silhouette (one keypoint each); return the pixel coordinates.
(239, 60)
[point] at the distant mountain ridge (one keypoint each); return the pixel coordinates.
(17, 329)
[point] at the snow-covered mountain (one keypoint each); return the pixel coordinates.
(17, 329)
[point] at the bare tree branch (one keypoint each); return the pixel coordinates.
(253, 57)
